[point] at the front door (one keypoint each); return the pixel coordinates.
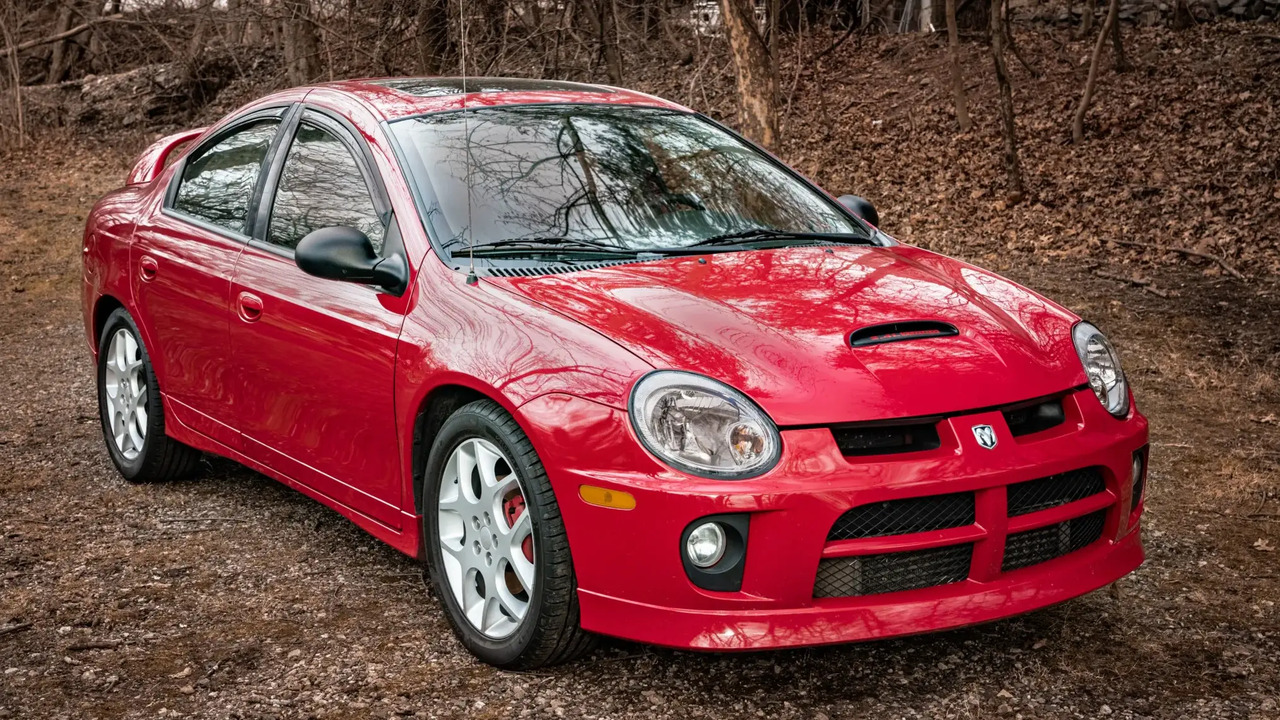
(182, 261)
(315, 359)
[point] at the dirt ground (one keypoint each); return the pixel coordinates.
(229, 596)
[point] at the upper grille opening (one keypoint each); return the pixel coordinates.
(1046, 492)
(899, 517)
(897, 331)
(1034, 418)
(859, 440)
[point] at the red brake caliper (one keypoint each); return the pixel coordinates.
(513, 508)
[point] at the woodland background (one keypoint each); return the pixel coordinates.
(1116, 129)
(1155, 215)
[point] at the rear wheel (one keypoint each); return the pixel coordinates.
(495, 543)
(130, 407)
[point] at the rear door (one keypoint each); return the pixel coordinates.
(182, 260)
(314, 359)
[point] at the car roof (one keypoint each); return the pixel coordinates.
(401, 97)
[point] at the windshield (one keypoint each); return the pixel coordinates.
(627, 178)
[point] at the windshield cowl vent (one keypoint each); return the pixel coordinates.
(899, 331)
(538, 270)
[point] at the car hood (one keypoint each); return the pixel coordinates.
(776, 324)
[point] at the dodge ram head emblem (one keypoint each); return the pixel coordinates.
(985, 435)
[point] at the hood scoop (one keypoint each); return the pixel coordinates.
(900, 331)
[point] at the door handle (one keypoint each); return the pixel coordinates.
(147, 268)
(249, 306)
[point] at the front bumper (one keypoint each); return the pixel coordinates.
(632, 583)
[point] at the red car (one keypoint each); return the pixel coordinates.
(607, 368)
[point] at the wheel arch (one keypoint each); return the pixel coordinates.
(436, 407)
(102, 309)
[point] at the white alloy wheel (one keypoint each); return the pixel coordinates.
(126, 387)
(486, 538)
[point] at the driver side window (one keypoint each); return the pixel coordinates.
(321, 186)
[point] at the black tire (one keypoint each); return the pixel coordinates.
(550, 633)
(160, 458)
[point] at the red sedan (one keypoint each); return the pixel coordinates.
(606, 367)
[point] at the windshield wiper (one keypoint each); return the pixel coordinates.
(542, 246)
(758, 236)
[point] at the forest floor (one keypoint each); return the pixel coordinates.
(229, 596)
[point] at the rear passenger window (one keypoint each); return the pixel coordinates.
(217, 185)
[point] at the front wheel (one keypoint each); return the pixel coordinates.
(495, 543)
(131, 410)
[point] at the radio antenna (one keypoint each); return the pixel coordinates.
(466, 131)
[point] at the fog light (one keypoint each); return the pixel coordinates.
(1139, 476)
(705, 545)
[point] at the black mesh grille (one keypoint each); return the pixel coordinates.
(899, 517)
(1055, 490)
(892, 572)
(1042, 544)
(1038, 417)
(886, 439)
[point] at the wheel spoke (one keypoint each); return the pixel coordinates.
(487, 461)
(455, 567)
(120, 432)
(523, 570)
(140, 417)
(514, 606)
(114, 401)
(135, 437)
(494, 619)
(473, 603)
(120, 355)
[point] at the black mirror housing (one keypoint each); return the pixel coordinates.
(346, 254)
(862, 208)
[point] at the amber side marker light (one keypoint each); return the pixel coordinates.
(617, 499)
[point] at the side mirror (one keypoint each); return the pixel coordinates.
(862, 208)
(345, 253)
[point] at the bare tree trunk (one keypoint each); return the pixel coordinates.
(757, 83)
(1012, 166)
(1122, 63)
(1013, 46)
(60, 53)
(607, 33)
(433, 36)
(774, 25)
(12, 43)
(1086, 18)
(199, 35)
(1181, 19)
(235, 22)
(957, 76)
(299, 41)
(1077, 124)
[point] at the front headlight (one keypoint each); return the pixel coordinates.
(1102, 367)
(702, 426)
